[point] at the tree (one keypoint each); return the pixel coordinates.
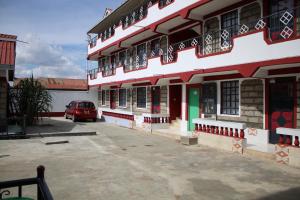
(31, 99)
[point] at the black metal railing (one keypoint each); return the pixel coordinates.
(93, 73)
(127, 20)
(163, 3)
(43, 192)
(280, 26)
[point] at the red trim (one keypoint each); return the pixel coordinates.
(228, 8)
(52, 114)
(284, 71)
(142, 84)
(223, 77)
(183, 12)
(266, 104)
(247, 70)
(175, 81)
(118, 115)
(182, 26)
(149, 39)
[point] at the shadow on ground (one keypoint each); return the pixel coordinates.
(55, 125)
(290, 194)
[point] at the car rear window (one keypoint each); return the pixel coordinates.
(86, 105)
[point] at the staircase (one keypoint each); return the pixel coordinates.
(172, 132)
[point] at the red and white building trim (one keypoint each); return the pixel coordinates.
(199, 63)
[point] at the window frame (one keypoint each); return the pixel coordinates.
(119, 95)
(103, 103)
(237, 109)
(206, 97)
(137, 104)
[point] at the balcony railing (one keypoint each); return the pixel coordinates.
(43, 192)
(129, 19)
(93, 73)
(280, 26)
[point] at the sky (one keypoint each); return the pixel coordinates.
(55, 32)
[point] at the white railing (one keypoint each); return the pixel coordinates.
(291, 136)
(232, 129)
(156, 118)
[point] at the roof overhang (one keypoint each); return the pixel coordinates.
(116, 15)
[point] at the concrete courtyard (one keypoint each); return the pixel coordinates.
(120, 163)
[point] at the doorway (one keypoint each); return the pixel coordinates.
(281, 105)
(175, 94)
(113, 99)
(155, 93)
(194, 99)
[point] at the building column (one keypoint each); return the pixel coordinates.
(183, 125)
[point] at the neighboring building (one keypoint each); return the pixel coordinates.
(63, 91)
(175, 61)
(7, 68)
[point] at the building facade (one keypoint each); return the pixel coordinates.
(7, 68)
(230, 67)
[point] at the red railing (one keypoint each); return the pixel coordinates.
(118, 115)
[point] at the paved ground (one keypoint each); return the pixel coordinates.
(120, 163)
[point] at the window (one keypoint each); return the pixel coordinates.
(211, 29)
(277, 9)
(155, 45)
(141, 55)
(86, 105)
(122, 97)
(210, 98)
(141, 97)
(250, 15)
(230, 97)
(103, 97)
(122, 58)
(229, 22)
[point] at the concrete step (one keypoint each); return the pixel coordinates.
(259, 154)
(167, 133)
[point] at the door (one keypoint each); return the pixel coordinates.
(155, 93)
(282, 92)
(194, 98)
(175, 101)
(113, 99)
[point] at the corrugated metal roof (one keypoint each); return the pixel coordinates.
(7, 49)
(61, 83)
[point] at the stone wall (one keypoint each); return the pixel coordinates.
(3, 98)
(107, 100)
(298, 103)
(251, 104)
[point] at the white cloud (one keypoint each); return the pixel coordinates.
(45, 60)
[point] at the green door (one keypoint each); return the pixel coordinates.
(193, 107)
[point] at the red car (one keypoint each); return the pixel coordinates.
(81, 110)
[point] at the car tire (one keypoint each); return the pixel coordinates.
(95, 119)
(74, 118)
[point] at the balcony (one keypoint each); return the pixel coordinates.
(264, 39)
(280, 26)
(137, 20)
